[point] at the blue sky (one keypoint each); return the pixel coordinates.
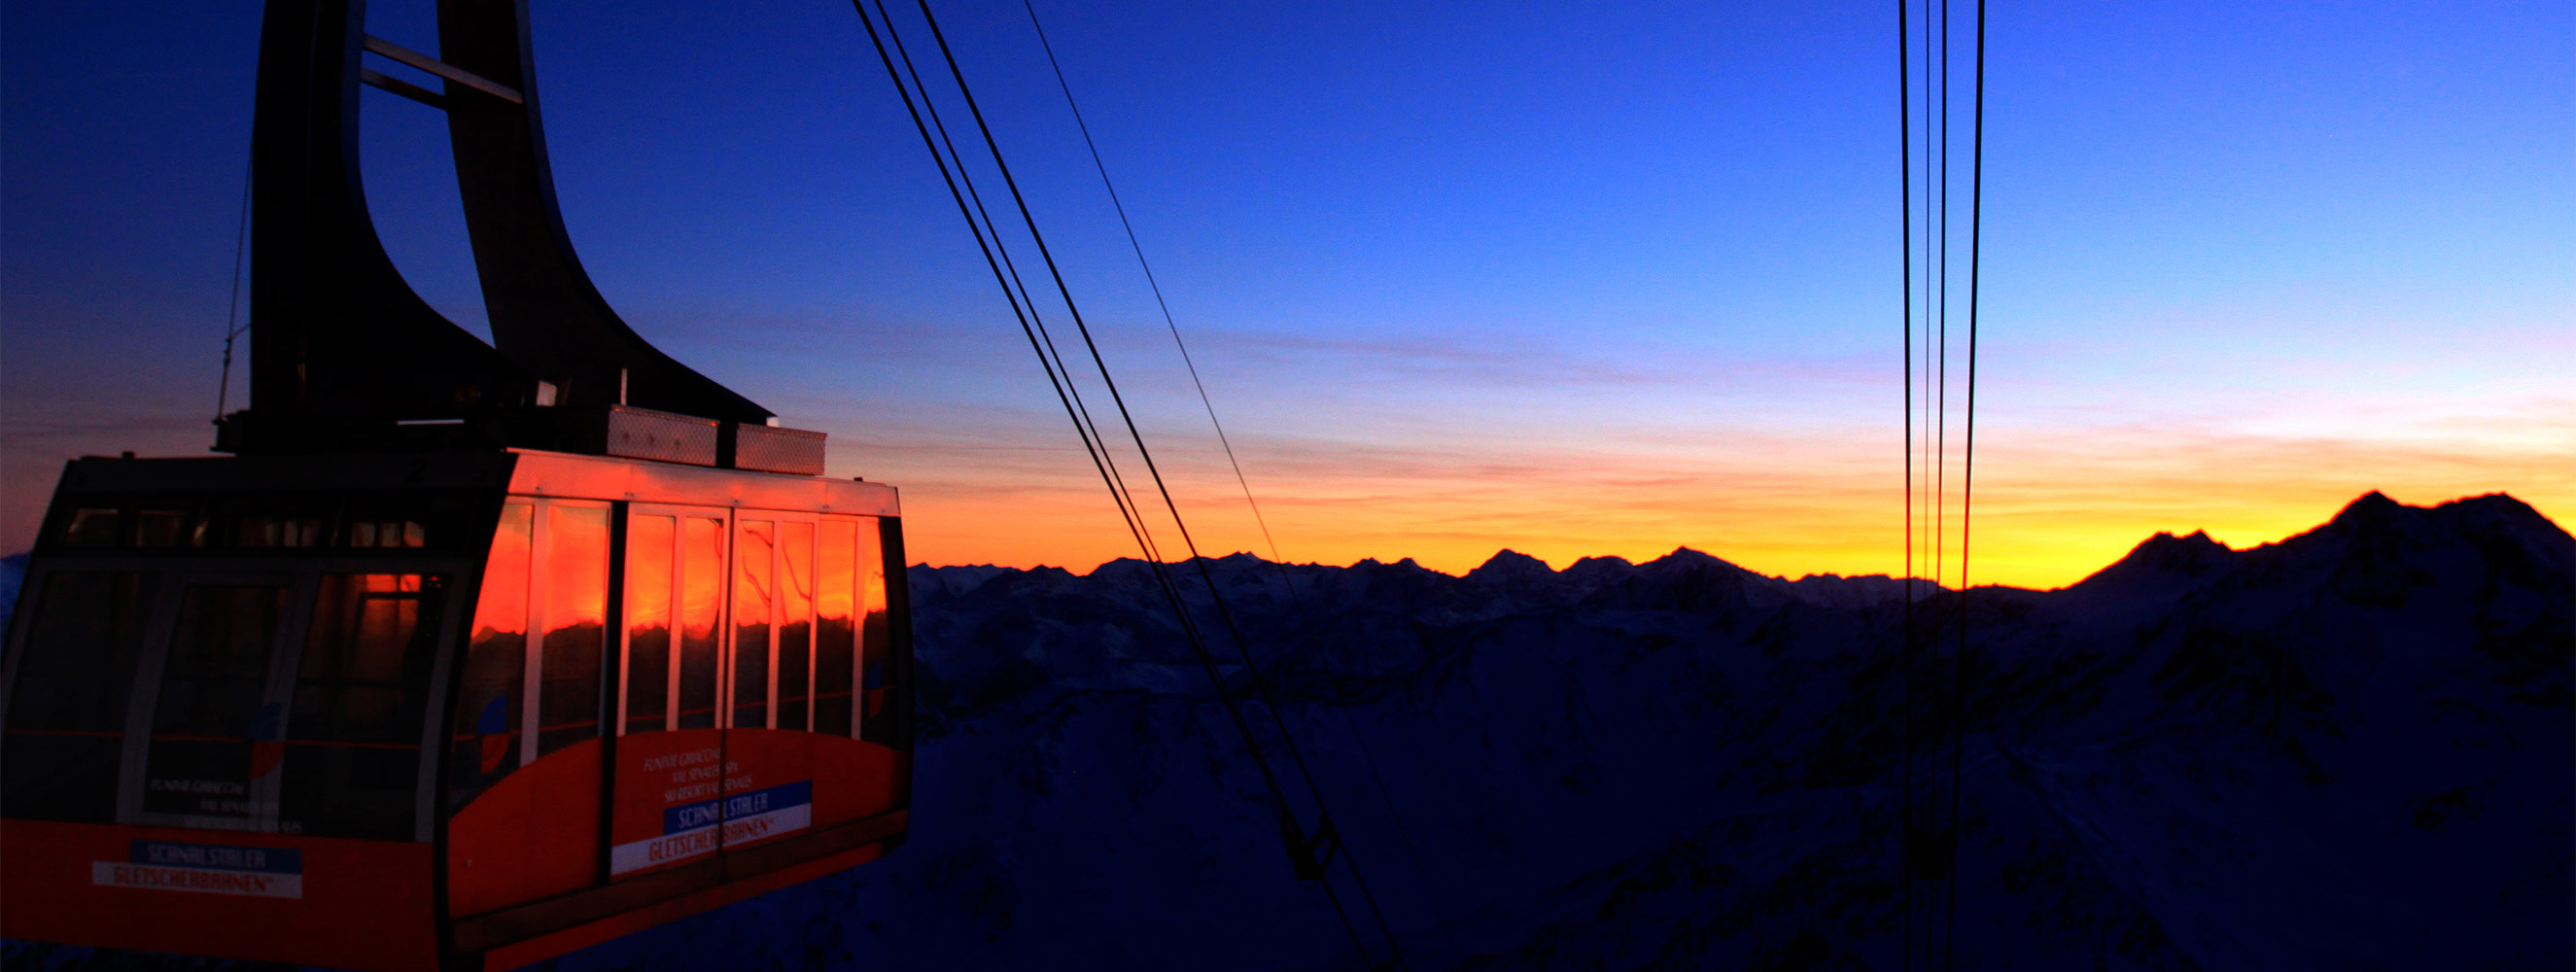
(1569, 280)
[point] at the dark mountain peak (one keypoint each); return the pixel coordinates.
(2517, 538)
(1511, 567)
(2381, 527)
(2373, 507)
(1836, 590)
(1686, 557)
(2499, 503)
(1237, 567)
(1591, 573)
(1685, 579)
(1599, 570)
(2500, 511)
(1125, 570)
(1686, 564)
(956, 580)
(1374, 566)
(2191, 544)
(2161, 559)
(2377, 519)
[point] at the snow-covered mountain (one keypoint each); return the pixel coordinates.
(2352, 749)
(2355, 748)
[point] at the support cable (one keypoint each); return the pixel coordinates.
(1242, 645)
(1157, 288)
(1081, 410)
(1073, 411)
(1905, 303)
(1938, 169)
(1924, 496)
(1006, 273)
(1090, 449)
(1171, 591)
(1967, 492)
(964, 209)
(1939, 837)
(1252, 670)
(1277, 561)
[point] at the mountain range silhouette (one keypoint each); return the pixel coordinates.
(2354, 748)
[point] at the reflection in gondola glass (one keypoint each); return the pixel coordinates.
(795, 622)
(751, 605)
(353, 736)
(702, 554)
(648, 621)
(576, 612)
(876, 651)
(486, 745)
(835, 636)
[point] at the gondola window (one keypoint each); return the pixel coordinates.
(353, 743)
(67, 709)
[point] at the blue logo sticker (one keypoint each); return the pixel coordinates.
(708, 813)
(220, 857)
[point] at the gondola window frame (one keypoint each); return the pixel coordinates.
(722, 623)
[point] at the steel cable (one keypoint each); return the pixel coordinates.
(1905, 634)
(1277, 561)
(1242, 646)
(1967, 491)
(1035, 329)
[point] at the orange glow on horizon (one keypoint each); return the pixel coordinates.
(2047, 514)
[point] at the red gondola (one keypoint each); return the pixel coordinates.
(470, 654)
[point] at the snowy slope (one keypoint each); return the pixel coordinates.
(13, 569)
(2351, 749)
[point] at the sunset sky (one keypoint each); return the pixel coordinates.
(1568, 280)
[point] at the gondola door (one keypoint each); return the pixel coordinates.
(805, 753)
(671, 753)
(742, 695)
(525, 757)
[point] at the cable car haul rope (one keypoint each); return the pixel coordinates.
(1929, 841)
(1312, 851)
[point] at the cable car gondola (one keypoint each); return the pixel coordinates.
(467, 654)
